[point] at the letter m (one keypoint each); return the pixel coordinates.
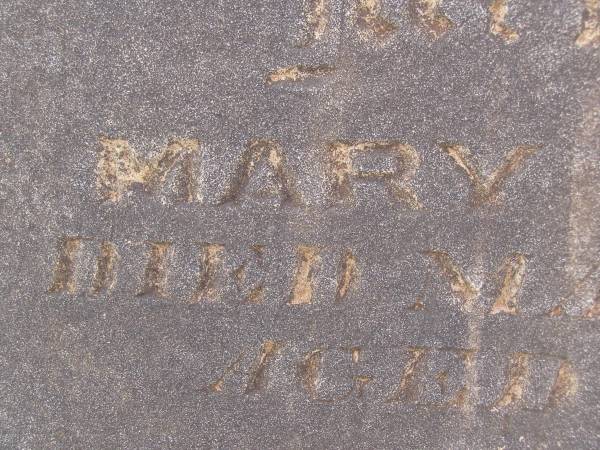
(119, 168)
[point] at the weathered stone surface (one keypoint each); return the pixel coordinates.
(299, 224)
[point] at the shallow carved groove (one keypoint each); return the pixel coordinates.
(498, 27)
(105, 268)
(565, 385)
(428, 16)
(408, 390)
(155, 275)
(370, 20)
(590, 25)
(298, 73)
(488, 189)
(348, 275)
(459, 284)
(302, 287)
(308, 372)
(518, 373)
(317, 17)
(342, 154)
(593, 311)
(210, 260)
(119, 168)
(514, 272)
(462, 399)
(217, 386)
(63, 279)
(257, 293)
(258, 373)
(270, 152)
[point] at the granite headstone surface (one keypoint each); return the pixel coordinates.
(300, 224)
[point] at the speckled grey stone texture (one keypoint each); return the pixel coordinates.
(121, 370)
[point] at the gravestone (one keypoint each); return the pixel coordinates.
(300, 224)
